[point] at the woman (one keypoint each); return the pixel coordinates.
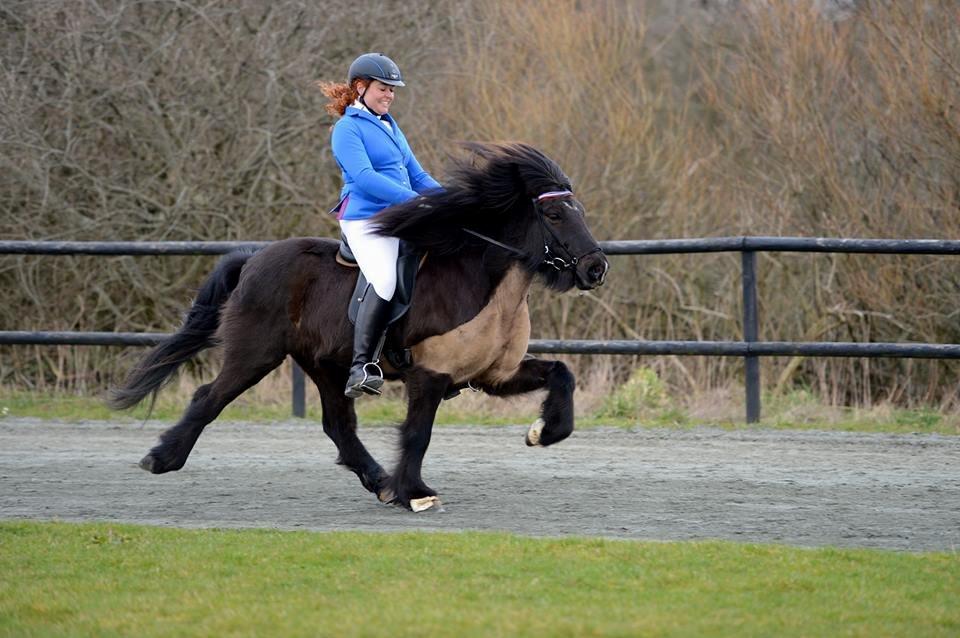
(379, 170)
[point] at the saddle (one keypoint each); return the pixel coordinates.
(408, 263)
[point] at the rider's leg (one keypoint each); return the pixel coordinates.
(377, 258)
(365, 373)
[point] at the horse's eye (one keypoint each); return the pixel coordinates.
(552, 217)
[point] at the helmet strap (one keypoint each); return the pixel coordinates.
(362, 101)
(372, 112)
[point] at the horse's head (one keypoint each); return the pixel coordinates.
(551, 223)
(569, 255)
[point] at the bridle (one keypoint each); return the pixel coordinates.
(560, 262)
(557, 261)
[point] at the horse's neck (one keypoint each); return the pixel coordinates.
(452, 291)
(489, 347)
(512, 289)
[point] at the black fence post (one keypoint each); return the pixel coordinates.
(299, 394)
(750, 333)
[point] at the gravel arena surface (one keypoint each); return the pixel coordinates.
(801, 488)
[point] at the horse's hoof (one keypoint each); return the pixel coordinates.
(386, 495)
(154, 465)
(149, 463)
(425, 503)
(533, 434)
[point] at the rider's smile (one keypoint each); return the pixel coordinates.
(378, 97)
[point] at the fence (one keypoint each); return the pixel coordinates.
(751, 348)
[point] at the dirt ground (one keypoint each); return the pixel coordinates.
(800, 488)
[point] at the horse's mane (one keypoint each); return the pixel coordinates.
(482, 189)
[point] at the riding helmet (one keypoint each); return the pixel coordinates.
(375, 66)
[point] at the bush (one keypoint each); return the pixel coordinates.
(185, 120)
(642, 396)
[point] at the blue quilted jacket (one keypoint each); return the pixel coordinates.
(379, 169)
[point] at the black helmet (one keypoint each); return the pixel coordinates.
(375, 66)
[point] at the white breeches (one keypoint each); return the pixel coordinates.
(376, 255)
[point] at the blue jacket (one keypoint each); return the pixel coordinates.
(379, 169)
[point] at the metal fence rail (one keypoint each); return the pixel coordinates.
(575, 346)
(616, 247)
(751, 348)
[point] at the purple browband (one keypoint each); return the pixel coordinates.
(553, 195)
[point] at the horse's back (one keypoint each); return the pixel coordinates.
(286, 251)
(271, 270)
(295, 287)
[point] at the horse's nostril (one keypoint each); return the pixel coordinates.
(596, 272)
(592, 271)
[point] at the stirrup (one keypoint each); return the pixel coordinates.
(355, 390)
(376, 379)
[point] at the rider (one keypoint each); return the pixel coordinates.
(379, 170)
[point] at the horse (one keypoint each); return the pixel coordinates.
(506, 217)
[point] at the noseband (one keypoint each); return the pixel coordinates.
(561, 263)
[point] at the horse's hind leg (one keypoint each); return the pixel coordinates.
(556, 413)
(425, 391)
(243, 367)
(340, 424)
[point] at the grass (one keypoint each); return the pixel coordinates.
(387, 410)
(104, 579)
(797, 410)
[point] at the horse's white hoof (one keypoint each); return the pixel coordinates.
(533, 434)
(425, 503)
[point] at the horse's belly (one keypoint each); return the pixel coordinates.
(489, 347)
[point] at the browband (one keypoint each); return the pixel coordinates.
(553, 195)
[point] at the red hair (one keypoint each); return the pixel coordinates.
(341, 95)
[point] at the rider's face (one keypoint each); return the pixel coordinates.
(377, 96)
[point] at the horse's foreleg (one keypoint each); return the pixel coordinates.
(242, 369)
(556, 414)
(425, 391)
(340, 424)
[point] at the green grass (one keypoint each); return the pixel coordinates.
(797, 410)
(101, 579)
(65, 406)
(386, 410)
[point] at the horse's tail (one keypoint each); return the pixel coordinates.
(196, 334)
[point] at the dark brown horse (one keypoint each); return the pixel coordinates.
(506, 218)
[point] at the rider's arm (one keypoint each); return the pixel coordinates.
(420, 180)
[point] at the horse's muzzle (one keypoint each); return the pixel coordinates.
(592, 271)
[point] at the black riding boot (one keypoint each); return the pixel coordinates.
(365, 373)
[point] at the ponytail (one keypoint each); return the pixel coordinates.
(341, 96)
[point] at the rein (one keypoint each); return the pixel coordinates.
(549, 258)
(491, 240)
